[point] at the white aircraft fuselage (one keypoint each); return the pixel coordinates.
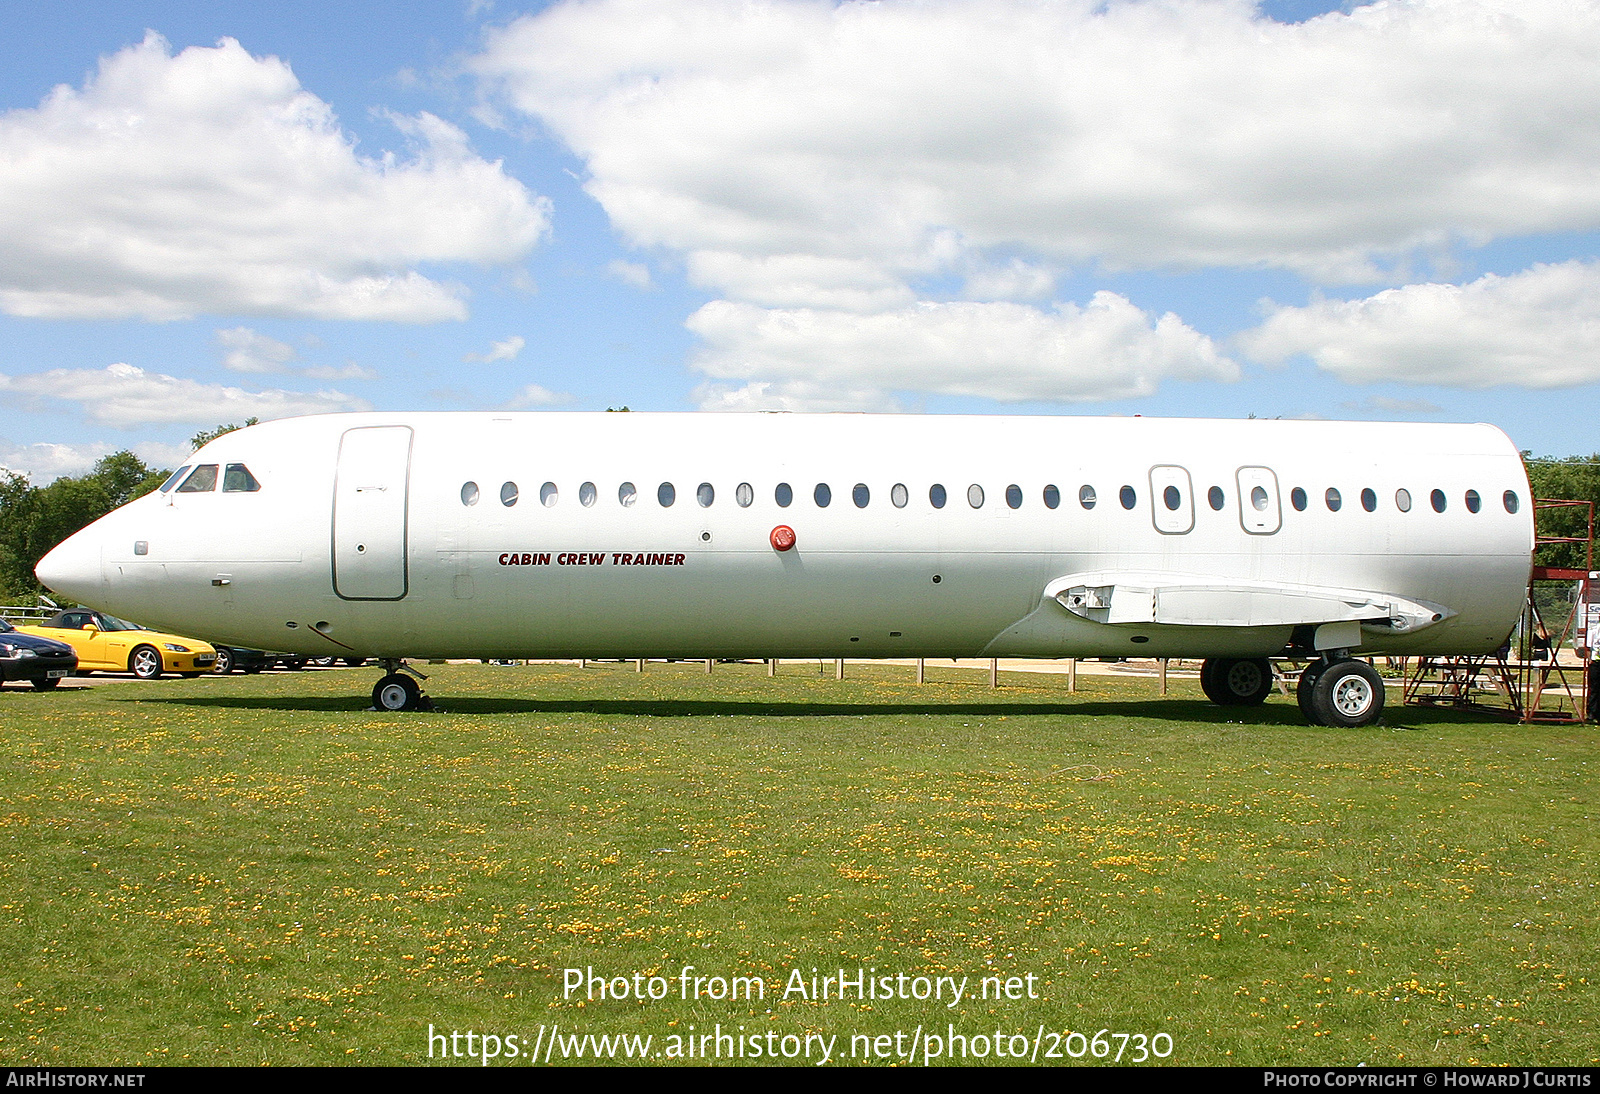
(511, 535)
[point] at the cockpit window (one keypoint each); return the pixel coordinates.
(172, 479)
(5, 628)
(238, 480)
(201, 480)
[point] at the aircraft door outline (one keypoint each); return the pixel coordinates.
(1260, 511)
(1171, 500)
(371, 509)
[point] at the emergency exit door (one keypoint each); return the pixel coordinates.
(370, 500)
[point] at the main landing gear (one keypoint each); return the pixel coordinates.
(398, 690)
(1340, 692)
(1333, 690)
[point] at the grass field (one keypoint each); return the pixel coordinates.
(258, 870)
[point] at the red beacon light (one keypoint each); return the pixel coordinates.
(782, 538)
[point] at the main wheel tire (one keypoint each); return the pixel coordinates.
(45, 683)
(1306, 688)
(145, 662)
(1236, 681)
(1348, 694)
(397, 691)
(224, 663)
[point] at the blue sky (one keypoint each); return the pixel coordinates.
(1189, 208)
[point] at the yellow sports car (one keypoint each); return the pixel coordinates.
(105, 643)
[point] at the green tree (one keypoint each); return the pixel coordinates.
(1573, 478)
(206, 436)
(34, 519)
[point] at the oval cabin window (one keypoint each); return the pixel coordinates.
(508, 494)
(1129, 497)
(469, 493)
(1086, 497)
(1052, 497)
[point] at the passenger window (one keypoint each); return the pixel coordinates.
(936, 496)
(172, 479)
(469, 493)
(1297, 498)
(744, 494)
(666, 494)
(705, 495)
(1171, 498)
(1014, 496)
(238, 480)
(1474, 503)
(899, 496)
(1335, 502)
(587, 495)
(783, 495)
(201, 480)
(975, 496)
(508, 494)
(1512, 503)
(822, 495)
(549, 495)
(1086, 496)
(627, 494)
(1437, 498)
(1402, 500)
(1369, 500)
(861, 495)
(1258, 498)
(1128, 496)
(1215, 498)
(1052, 497)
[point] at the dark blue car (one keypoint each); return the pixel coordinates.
(42, 662)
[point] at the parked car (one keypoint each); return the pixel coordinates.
(239, 659)
(43, 662)
(105, 643)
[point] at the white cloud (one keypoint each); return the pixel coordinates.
(351, 371)
(124, 396)
(534, 396)
(1536, 329)
(248, 351)
(1109, 349)
(504, 350)
(44, 462)
(636, 274)
(212, 182)
(800, 151)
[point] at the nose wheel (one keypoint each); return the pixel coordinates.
(397, 691)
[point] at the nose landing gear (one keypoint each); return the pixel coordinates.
(398, 690)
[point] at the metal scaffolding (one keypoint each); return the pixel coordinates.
(1525, 679)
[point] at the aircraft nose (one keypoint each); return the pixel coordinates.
(72, 569)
